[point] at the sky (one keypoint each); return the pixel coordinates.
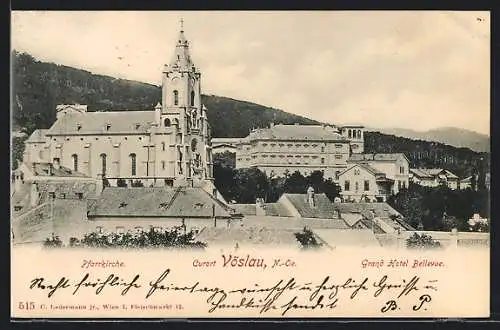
(418, 70)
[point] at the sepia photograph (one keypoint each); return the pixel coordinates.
(227, 143)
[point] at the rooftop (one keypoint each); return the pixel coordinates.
(38, 136)
(375, 157)
(157, 202)
(47, 169)
(432, 172)
(117, 122)
(296, 132)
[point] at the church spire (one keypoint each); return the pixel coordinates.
(181, 58)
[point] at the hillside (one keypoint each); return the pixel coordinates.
(38, 87)
(452, 136)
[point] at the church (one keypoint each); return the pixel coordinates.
(166, 146)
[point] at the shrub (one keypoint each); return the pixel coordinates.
(307, 239)
(422, 241)
(53, 241)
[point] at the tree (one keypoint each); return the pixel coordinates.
(143, 239)
(251, 183)
(296, 183)
(225, 159)
(423, 241)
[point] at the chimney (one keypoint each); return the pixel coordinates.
(259, 207)
(310, 196)
(34, 196)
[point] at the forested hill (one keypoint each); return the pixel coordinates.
(38, 87)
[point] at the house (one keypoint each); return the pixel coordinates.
(118, 209)
(362, 182)
(281, 149)
(395, 166)
(465, 183)
(434, 177)
(221, 145)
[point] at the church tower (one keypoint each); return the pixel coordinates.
(182, 117)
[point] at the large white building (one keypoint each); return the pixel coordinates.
(282, 149)
(167, 145)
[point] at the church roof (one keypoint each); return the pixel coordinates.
(157, 202)
(38, 136)
(296, 132)
(109, 122)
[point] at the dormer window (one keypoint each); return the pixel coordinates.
(78, 127)
(137, 125)
(107, 127)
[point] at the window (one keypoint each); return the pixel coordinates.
(133, 164)
(192, 98)
(176, 98)
(347, 185)
(78, 127)
(402, 170)
(75, 162)
(166, 122)
(322, 149)
(52, 194)
(163, 165)
(103, 164)
(322, 160)
(337, 175)
(356, 171)
(63, 196)
(98, 229)
(163, 146)
(356, 185)
(349, 134)
(79, 195)
(367, 185)
(108, 126)
(338, 156)
(338, 146)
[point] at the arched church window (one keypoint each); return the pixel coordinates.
(133, 164)
(103, 164)
(176, 97)
(75, 162)
(166, 122)
(192, 98)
